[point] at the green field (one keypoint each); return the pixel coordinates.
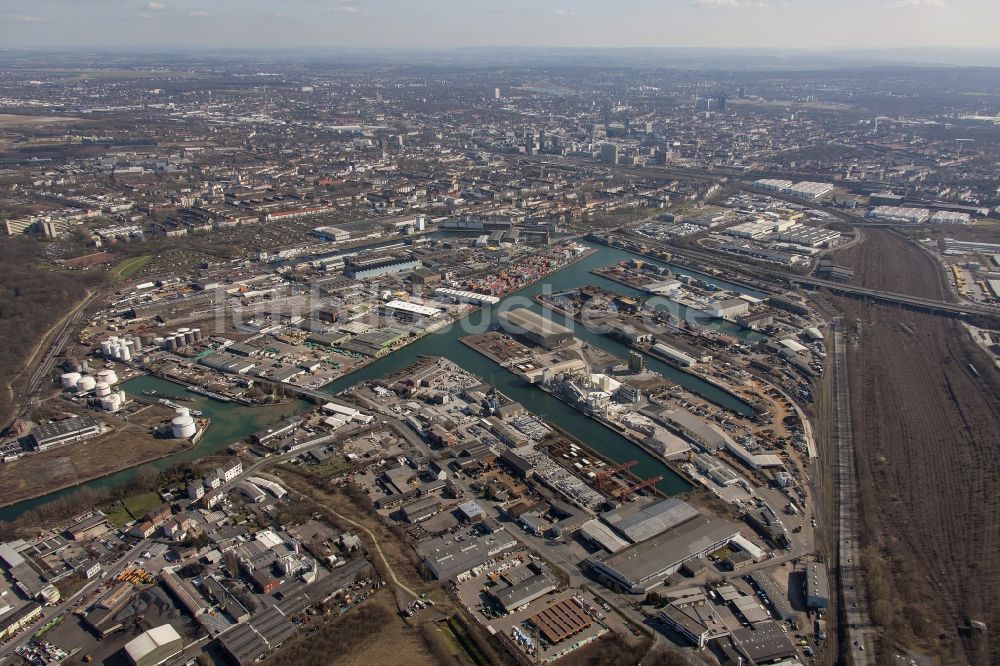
(140, 505)
(130, 267)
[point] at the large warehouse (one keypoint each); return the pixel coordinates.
(154, 646)
(535, 328)
(637, 522)
(643, 566)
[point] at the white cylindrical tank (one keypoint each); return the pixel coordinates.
(86, 383)
(183, 425)
(70, 379)
(138, 343)
(109, 377)
(102, 389)
(122, 397)
(106, 348)
(197, 333)
(126, 354)
(111, 403)
(158, 341)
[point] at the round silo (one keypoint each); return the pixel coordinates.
(70, 379)
(183, 426)
(102, 390)
(86, 383)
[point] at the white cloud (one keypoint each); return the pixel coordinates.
(154, 7)
(27, 19)
(344, 9)
(916, 4)
(198, 13)
(564, 12)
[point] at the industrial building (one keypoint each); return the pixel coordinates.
(248, 642)
(817, 586)
(731, 307)
(773, 184)
(462, 296)
(535, 328)
(643, 566)
(809, 190)
(522, 585)
(155, 646)
(66, 431)
(900, 214)
(364, 269)
(560, 620)
(637, 521)
(447, 558)
(694, 618)
(409, 311)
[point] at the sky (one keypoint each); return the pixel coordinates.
(437, 24)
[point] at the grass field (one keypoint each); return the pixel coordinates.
(130, 267)
(140, 505)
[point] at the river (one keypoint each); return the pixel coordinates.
(232, 422)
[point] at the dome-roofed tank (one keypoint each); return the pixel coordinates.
(183, 425)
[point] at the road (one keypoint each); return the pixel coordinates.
(49, 613)
(853, 595)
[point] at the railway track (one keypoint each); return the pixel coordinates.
(853, 594)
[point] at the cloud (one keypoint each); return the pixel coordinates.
(344, 9)
(758, 4)
(154, 7)
(564, 12)
(27, 19)
(918, 4)
(198, 13)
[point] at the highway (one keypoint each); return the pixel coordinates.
(850, 578)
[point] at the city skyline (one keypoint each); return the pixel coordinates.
(443, 24)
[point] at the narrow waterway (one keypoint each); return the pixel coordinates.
(232, 422)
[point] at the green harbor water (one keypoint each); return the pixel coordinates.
(232, 422)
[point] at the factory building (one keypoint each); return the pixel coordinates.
(773, 184)
(462, 296)
(409, 311)
(643, 566)
(901, 214)
(66, 431)
(535, 328)
(731, 307)
(365, 269)
(447, 558)
(817, 586)
(637, 522)
(809, 190)
(154, 647)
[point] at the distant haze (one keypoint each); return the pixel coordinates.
(441, 24)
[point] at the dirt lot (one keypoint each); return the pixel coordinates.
(925, 430)
(68, 465)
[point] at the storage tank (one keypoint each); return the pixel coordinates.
(73, 364)
(197, 334)
(70, 379)
(170, 343)
(86, 383)
(183, 425)
(106, 348)
(102, 390)
(111, 403)
(188, 337)
(126, 354)
(109, 377)
(122, 397)
(159, 342)
(137, 343)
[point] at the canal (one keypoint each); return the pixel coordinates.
(232, 422)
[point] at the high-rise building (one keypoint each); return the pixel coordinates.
(635, 362)
(721, 103)
(496, 93)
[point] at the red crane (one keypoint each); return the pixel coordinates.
(606, 473)
(625, 492)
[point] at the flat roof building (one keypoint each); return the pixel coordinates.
(637, 522)
(63, 432)
(643, 566)
(535, 328)
(817, 586)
